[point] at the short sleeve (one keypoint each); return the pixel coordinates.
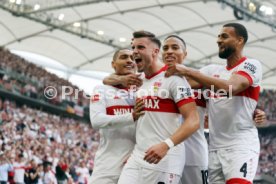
(180, 90)
(252, 70)
(99, 116)
(97, 100)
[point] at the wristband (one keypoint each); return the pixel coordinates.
(169, 143)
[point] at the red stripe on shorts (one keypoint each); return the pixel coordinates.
(238, 181)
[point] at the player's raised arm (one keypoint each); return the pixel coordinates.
(123, 80)
(238, 81)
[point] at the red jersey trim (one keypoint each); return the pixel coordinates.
(251, 92)
(199, 99)
(238, 181)
(22, 167)
(157, 104)
(246, 75)
(200, 102)
(239, 62)
(95, 98)
(119, 109)
(185, 101)
(161, 70)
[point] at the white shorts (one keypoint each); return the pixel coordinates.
(103, 179)
(135, 174)
(232, 166)
(195, 175)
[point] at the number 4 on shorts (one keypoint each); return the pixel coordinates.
(244, 169)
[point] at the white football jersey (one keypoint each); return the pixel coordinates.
(196, 145)
(111, 112)
(162, 97)
(231, 121)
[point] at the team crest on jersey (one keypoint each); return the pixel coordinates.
(156, 86)
(95, 98)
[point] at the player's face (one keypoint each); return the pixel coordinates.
(173, 51)
(124, 63)
(143, 52)
(227, 42)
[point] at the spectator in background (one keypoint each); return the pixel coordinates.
(49, 177)
(83, 173)
(33, 173)
(61, 172)
(5, 167)
(19, 169)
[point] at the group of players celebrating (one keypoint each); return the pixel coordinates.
(157, 135)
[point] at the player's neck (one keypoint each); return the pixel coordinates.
(154, 68)
(233, 60)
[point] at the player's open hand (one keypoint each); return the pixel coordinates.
(176, 69)
(138, 109)
(259, 117)
(155, 153)
(171, 70)
(131, 80)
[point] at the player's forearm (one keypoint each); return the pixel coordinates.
(210, 82)
(187, 128)
(112, 80)
(101, 120)
(194, 84)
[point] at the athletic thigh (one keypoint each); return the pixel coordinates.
(215, 169)
(150, 176)
(239, 165)
(130, 173)
(195, 175)
(103, 179)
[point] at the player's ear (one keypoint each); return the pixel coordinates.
(156, 51)
(240, 40)
(184, 55)
(113, 64)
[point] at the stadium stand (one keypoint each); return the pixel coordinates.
(24, 78)
(268, 104)
(39, 137)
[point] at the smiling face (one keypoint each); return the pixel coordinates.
(144, 52)
(174, 51)
(228, 42)
(123, 63)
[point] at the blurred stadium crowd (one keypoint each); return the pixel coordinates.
(30, 137)
(22, 77)
(47, 148)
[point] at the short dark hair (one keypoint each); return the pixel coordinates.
(178, 37)
(115, 55)
(149, 35)
(239, 29)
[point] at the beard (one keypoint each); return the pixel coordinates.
(227, 52)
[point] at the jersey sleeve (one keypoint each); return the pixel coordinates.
(252, 70)
(98, 115)
(181, 91)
